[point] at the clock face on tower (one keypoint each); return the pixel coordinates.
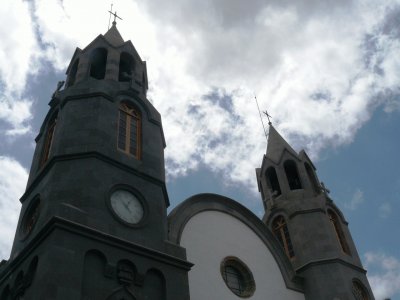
(127, 206)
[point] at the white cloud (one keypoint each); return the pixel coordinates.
(19, 47)
(19, 54)
(13, 179)
(356, 200)
(16, 113)
(320, 69)
(316, 68)
(385, 280)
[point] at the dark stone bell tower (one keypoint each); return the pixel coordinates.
(311, 229)
(93, 223)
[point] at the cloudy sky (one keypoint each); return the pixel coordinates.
(327, 71)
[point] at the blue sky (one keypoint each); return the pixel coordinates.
(327, 72)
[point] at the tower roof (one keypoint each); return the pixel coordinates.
(113, 36)
(276, 145)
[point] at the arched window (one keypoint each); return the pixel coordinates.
(129, 130)
(359, 291)
(72, 74)
(98, 62)
(339, 232)
(126, 67)
(312, 178)
(272, 180)
(48, 140)
(281, 231)
(292, 175)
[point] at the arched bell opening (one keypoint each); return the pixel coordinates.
(273, 182)
(98, 62)
(126, 67)
(292, 175)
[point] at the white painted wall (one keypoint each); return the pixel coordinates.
(211, 236)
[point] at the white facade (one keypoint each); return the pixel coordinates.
(209, 237)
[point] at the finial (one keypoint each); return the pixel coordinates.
(259, 112)
(115, 17)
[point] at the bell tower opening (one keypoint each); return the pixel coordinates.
(292, 175)
(272, 181)
(98, 61)
(126, 67)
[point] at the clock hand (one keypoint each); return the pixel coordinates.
(126, 204)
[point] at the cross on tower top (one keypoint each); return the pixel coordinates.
(268, 116)
(115, 17)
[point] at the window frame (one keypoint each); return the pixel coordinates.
(281, 232)
(337, 227)
(49, 139)
(247, 285)
(132, 114)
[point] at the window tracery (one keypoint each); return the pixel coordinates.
(281, 231)
(48, 140)
(339, 232)
(129, 130)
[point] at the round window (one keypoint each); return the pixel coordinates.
(238, 277)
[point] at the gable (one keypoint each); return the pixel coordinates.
(211, 236)
(212, 228)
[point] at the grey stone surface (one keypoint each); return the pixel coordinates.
(327, 270)
(78, 248)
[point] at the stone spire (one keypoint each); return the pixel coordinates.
(276, 145)
(113, 36)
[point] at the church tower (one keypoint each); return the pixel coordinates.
(311, 229)
(93, 222)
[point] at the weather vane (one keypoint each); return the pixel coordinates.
(115, 17)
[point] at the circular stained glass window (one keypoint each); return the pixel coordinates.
(237, 277)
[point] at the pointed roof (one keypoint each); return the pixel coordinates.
(113, 36)
(276, 145)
